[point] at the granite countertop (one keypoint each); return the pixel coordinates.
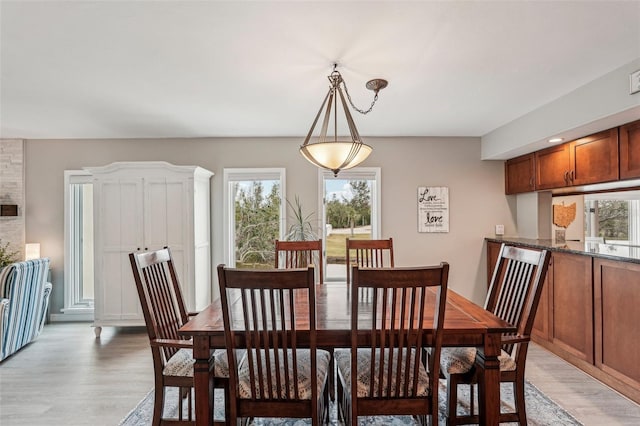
(611, 251)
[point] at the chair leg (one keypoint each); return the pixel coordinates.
(190, 405)
(158, 404)
(332, 376)
(521, 409)
(452, 400)
(325, 408)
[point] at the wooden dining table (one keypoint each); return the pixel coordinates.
(466, 324)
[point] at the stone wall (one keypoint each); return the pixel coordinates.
(12, 229)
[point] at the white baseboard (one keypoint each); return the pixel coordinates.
(73, 315)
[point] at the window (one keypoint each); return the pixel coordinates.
(350, 209)
(78, 297)
(614, 218)
(254, 215)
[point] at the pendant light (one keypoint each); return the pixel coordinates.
(334, 153)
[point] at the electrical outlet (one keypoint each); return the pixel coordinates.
(499, 229)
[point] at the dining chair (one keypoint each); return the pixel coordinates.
(369, 253)
(514, 293)
(385, 371)
(283, 374)
(164, 313)
(299, 254)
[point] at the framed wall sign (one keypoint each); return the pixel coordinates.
(433, 209)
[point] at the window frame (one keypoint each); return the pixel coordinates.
(373, 174)
(231, 175)
(81, 309)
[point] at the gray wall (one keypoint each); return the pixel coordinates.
(476, 192)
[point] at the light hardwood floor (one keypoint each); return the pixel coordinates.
(67, 377)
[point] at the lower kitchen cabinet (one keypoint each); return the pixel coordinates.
(571, 303)
(617, 293)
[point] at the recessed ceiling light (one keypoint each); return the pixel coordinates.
(555, 140)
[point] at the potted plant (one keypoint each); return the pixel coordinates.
(7, 257)
(301, 228)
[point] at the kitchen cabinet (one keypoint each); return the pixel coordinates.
(630, 150)
(552, 167)
(519, 174)
(592, 159)
(141, 206)
(595, 158)
(571, 304)
(542, 322)
(617, 292)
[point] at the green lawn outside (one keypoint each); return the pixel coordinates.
(335, 250)
(335, 245)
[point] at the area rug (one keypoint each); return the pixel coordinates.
(540, 410)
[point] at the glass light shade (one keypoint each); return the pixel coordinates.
(32, 251)
(336, 156)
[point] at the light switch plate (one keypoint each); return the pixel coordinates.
(499, 229)
(634, 82)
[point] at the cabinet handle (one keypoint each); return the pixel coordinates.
(573, 174)
(566, 177)
(531, 182)
(138, 249)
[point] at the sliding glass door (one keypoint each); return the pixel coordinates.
(350, 209)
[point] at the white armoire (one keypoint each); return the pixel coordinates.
(141, 206)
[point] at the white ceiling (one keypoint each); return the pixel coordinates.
(151, 69)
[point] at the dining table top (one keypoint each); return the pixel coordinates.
(463, 319)
(465, 324)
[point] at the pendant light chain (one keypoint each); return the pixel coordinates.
(375, 98)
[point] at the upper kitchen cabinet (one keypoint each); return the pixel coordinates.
(591, 159)
(552, 167)
(519, 174)
(595, 158)
(630, 150)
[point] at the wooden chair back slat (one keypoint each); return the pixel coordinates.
(299, 254)
(160, 296)
(368, 254)
(516, 287)
(397, 325)
(268, 322)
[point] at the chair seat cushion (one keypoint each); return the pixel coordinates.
(343, 362)
(304, 373)
(181, 364)
(461, 360)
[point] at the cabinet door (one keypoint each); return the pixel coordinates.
(617, 291)
(542, 319)
(552, 167)
(595, 158)
(519, 174)
(119, 233)
(167, 223)
(572, 305)
(630, 150)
